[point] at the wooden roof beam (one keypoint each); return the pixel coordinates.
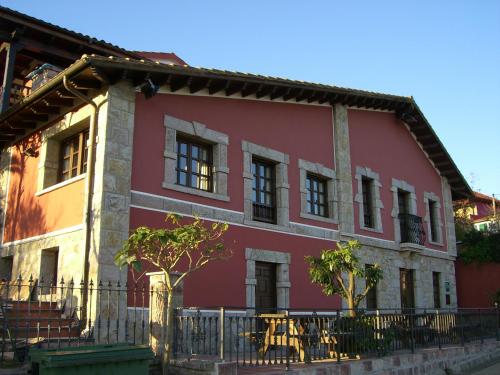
(233, 88)
(264, 90)
(278, 92)
(23, 124)
(86, 84)
(215, 86)
(250, 89)
(13, 131)
(198, 84)
(177, 83)
(4, 137)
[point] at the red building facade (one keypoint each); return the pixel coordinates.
(293, 167)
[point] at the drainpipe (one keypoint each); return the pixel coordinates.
(89, 186)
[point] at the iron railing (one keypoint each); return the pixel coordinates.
(50, 315)
(412, 229)
(36, 313)
(307, 336)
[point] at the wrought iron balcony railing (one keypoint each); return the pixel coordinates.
(412, 229)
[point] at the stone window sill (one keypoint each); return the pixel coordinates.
(436, 243)
(412, 247)
(60, 185)
(260, 224)
(323, 219)
(201, 193)
(374, 230)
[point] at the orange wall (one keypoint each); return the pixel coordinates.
(29, 215)
(382, 143)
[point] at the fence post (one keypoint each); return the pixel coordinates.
(462, 334)
(337, 336)
(480, 325)
(438, 328)
(287, 330)
(222, 318)
(497, 324)
(412, 331)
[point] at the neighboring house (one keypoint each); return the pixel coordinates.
(478, 282)
(485, 212)
(111, 143)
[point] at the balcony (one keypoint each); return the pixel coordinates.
(412, 229)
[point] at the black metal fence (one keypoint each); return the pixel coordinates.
(34, 313)
(306, 336)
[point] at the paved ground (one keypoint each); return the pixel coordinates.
(492, 370)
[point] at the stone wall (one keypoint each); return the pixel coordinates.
(388, 289)
(27, 254)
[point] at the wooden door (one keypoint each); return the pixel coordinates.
(265, 290)
(407, 289)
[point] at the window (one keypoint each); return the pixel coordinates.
(316, 196)
(368, 198)
(433, 218)
(263, 191)
(317, 192)
(436, 289)
(366, 188)
(194, 164)
(195, 159)
(403, 198)
(433, 221)
(371, 296)
(74, 153)
(265, 187)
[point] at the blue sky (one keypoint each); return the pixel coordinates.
(444, 53)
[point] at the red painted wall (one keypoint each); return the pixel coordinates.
(382, 143)
(302, 131)
(222, 283)
(30, 215)
(476, 283)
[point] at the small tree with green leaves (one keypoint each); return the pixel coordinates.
(179, 248)
(336, 271)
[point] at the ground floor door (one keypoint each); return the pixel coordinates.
(265, 290)
(407, 289)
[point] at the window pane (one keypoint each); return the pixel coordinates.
(195, 166)
(194, 181)
(194, 152)
(183, 163)
(182, 178)
(204, 154)
(183, 148)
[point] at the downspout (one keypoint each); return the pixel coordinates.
(89, 188)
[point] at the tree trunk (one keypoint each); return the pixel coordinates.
(169, 334)
(351, 306)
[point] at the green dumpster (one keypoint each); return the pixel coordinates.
(119, 359)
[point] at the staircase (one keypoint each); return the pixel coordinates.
(43, 320)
